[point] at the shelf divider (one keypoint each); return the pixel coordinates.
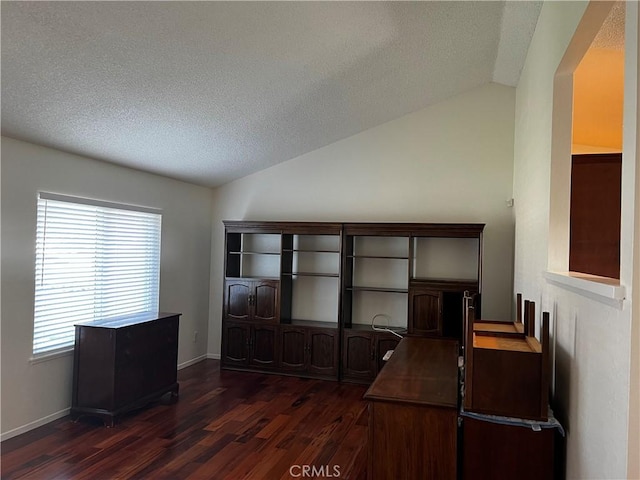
(310, 274)
(379, 289)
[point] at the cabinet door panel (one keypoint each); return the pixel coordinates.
(161, 358)
(93, 376)
(292, 349)
(164, 366)
(136, 356)
(266, 301)
(237, 299)
(129, 386)
(323, 352)
(235, 344)
(358, 356)
(263, 347)
(425, 312)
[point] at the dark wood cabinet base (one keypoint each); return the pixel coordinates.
(123, 364)
(362, 353)
(109, 417)
(300, 350)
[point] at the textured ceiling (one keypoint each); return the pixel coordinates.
(211, 91)
(611, 34)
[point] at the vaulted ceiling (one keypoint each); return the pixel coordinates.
(212, 91)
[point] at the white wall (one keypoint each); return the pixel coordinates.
(36, 392)
(451, 162)
(592, 337)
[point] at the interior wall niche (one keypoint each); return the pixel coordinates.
(596, 162)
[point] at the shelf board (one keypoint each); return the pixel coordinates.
(359, 327)
(254, 253)
(312, 323)
(445, 284)
(310, 274)
(238, 277)
(296, 250)
(367, 327)
(384, 257)
(443, 280)
(378, 289)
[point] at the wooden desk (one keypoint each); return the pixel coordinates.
(413, 412)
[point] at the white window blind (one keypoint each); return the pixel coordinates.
(94, 260)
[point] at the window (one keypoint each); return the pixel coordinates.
(94, 260)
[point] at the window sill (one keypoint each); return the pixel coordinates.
(602, 289)
(45, 357)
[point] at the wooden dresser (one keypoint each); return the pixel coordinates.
(121, 364)
(413, 412)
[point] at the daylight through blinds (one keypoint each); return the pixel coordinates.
(93, 261)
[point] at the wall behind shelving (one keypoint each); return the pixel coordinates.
(451, 162)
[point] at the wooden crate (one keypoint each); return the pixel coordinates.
(507, 375)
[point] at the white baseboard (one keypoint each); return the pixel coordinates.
(193, 361)
(54, 416)
(35, 424)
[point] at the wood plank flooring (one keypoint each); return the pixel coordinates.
(226, 425)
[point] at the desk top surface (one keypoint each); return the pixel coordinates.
(421, 371)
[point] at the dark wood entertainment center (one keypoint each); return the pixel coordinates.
(299, 297)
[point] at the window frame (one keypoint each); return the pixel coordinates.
(103, 217)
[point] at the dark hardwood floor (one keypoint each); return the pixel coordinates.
(225, 425)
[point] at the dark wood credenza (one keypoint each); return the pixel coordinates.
(413, 412)
(124, 363)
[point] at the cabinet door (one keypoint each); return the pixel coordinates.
(236, 299)
(293, 347)
(235, 344)
(323, 352)
(160, 361)
(94, 374)
(265, 301)
(358, 356)
(132, 374)
(383, 344)
(425, 312)
(263, 352)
